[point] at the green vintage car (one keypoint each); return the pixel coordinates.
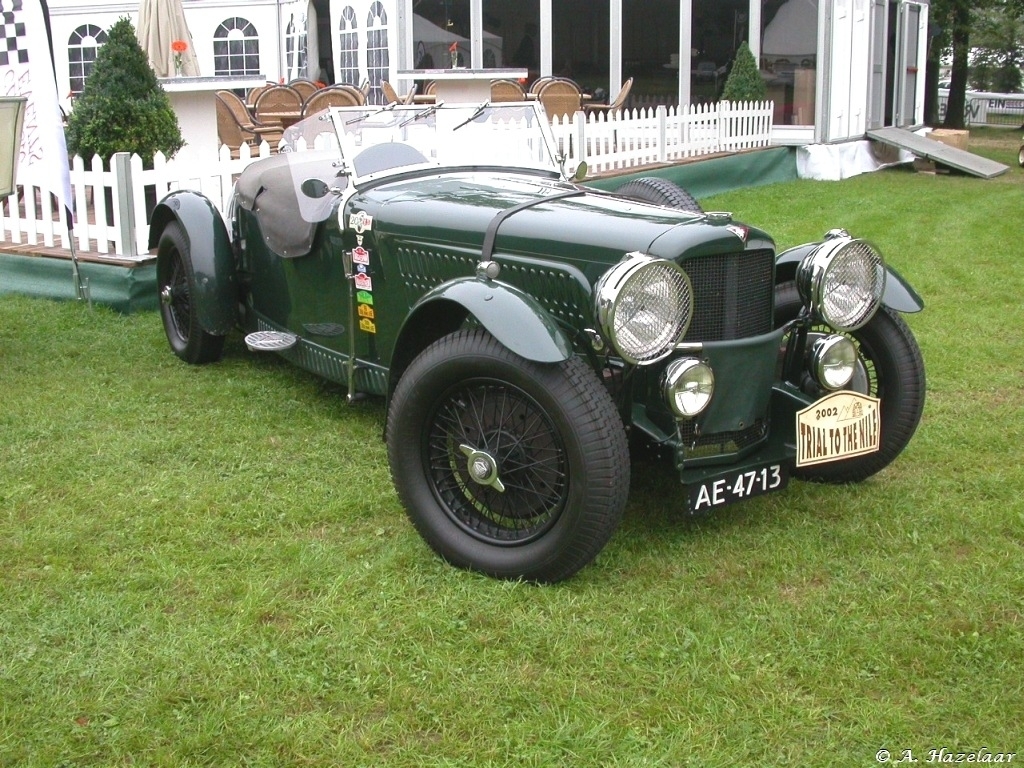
(522, 326)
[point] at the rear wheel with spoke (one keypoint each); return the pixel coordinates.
(176, 284)
(508, 467)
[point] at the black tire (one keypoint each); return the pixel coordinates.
(660, 192)
(891, 369)
(549, 433)
(176, 287)
(1020, 156)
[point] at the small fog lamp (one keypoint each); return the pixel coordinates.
(12, 118)
(833, 360)
(688, 385)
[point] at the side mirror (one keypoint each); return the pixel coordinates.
(578, 175)
(315, 188)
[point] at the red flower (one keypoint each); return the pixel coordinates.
(454, 47)
(178, 47)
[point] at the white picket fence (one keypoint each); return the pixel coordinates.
(111, 202)
(659, 135)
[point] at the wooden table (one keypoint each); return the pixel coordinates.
(284, 119)
(462, 85)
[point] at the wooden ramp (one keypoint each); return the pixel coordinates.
(939, 152)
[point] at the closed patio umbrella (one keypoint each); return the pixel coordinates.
(162, 29)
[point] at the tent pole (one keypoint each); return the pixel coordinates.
(81, 284)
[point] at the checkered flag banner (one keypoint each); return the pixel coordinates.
(26, 69)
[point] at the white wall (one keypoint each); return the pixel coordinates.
(842, 89)
(204, 17)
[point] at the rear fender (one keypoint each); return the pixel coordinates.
(216, 293)
(899, 294)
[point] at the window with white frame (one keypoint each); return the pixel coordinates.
(348, 47)
(377, 58)
(296, 47)
(82, 47)
(289, 47)
(236, 48)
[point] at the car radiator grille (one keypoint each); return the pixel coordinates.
(732, 295)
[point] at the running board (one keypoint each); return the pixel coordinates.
(939, 152)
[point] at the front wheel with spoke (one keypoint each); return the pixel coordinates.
(890, 367)
(508, 467)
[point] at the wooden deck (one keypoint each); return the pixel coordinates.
(87, 257)
(125, 284)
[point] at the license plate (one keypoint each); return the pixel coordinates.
(839, 426)
(736, 486)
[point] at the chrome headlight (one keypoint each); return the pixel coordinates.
(643, 307)
(842, 281)
(688, 385)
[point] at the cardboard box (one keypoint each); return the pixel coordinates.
(951, 137)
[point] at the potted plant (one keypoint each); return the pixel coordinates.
(122, 107)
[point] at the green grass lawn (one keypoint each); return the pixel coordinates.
(208, 565)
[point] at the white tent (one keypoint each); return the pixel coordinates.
(793, 32)
(433, 41)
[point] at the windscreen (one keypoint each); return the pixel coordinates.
(381, 140)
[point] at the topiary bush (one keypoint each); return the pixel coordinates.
(744, 82)
(122, 107)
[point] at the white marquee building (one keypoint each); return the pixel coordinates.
(835, 68)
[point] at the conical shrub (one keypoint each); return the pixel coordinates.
(122, 107)
(744, 82)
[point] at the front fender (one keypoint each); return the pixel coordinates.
(213, 263)
(899, 294)
(510, 315)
